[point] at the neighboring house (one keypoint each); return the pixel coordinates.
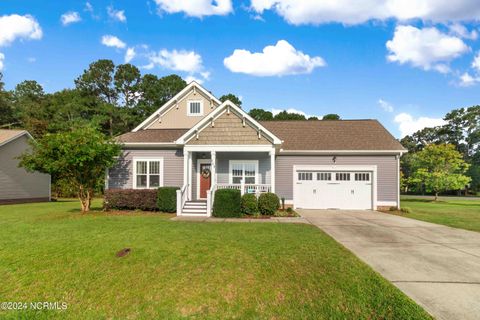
(200, 144)
(16, 184)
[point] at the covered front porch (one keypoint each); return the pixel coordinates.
(249, 169)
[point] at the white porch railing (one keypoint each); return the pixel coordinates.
(181, 198)
(210, 198)
(246, 188)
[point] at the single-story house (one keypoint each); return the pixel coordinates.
(201, 145)
(16, 184)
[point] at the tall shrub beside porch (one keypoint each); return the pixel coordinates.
(227, 203)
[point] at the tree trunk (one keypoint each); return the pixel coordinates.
(85, 199)
(436, 196)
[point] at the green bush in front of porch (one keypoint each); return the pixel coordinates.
(167, 199)
(268, 203)
(227, 203)
(249, 204)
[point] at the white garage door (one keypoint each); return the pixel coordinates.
(333, 189)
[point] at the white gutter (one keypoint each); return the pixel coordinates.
(340, 152)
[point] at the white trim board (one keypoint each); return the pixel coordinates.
(15, 137)
(199, 162)
(228, 148)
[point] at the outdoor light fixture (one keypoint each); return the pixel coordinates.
(334, 159)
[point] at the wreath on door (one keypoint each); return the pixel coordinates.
(206, 173)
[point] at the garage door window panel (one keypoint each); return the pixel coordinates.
(342, 176)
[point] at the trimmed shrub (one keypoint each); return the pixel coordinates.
(268, 203)
(167, 199)
(249, 204)
(130, 199)
(289, 210)
(227, 203)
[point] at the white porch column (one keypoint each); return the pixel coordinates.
(185, 167)
(272, 170)
(190, 174)
(213, 169)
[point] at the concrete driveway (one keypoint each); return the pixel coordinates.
(437, 266)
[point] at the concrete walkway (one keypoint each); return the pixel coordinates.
(437, 266)
(271, 220)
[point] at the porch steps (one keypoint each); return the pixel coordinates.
(195, 207)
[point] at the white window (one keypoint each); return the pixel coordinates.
(342, 176)
(195, 108)
(362, 176)
(324, 176)
(246, 170)
(148, 173)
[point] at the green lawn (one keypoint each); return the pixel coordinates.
(50, 252)
(453, 212)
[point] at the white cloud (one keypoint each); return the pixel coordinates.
(278, 60)
(118, 15)
(88, 7)
(178, 60)
(355, 12)
(476, 62)
(461, 31)
(112, 41)
(129, 55)
(467, 80)
(70, 17)
(31, 59)
(191, 78)
(2, 59)
(407, 124)
(425, 48)
(385, 105)
(14, 27)
(196, 8)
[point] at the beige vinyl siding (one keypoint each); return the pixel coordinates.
(15, 182)
(177, 118)
(228, 129)
(121, 175)
(387, 178)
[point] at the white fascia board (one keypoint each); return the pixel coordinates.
(176, 97)
(343, 152)
(149, 144)
(228, 148)
(219, 111)
(335, 167)
(20, 134)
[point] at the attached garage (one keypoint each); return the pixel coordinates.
(334, 187)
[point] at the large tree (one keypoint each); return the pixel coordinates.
(285, 115)
(260, 114)
(78, 157)
(440, 168)
(331, 116)
(29, 105)
(7, 116)
(233, 98)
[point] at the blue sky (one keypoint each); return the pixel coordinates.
(406, 64)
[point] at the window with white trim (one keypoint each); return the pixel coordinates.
(148, 173)
(305, 176)
(195, 108)
(243, 170)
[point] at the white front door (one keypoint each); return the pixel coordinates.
(333, 189)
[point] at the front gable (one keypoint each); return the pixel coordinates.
(175, 113)
(229, 129)
(228, 125)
